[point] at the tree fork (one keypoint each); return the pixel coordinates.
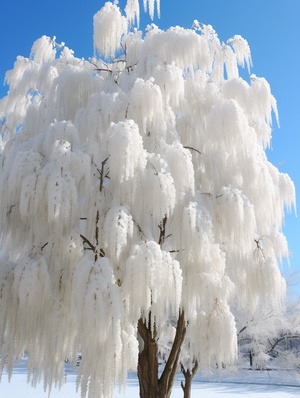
(150, 385)
(188, 377)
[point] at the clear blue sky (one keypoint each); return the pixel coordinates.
(271, 27)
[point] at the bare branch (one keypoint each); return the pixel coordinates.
(102, 174)
(162, 228)
(192, 149)
(285, 337)
(85, 240)
(43, 247)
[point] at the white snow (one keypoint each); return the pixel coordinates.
(109, 27)
(254, 384)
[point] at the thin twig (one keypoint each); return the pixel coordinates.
(192, 149)
(85, 240)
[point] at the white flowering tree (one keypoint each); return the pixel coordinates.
(137, 204)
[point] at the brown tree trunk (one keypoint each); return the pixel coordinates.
(148, 363)
(188, 377)
(151, 386)
(187, 386)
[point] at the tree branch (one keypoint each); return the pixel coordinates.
(102, 175)
(289, 337)
(85, 240)
(44, 245)
(142, 329)
(192, 149)
(170, 369)
(162, 228)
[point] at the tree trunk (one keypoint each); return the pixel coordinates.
(148, 363)
(151, 386)
(188, 377)
(187, 385)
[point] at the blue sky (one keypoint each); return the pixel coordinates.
(271, 27)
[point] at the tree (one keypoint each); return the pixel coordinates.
(270, 339)
(137, 206)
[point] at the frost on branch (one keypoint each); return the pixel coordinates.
(150, 5)
(109, 27)
(43, 50)
(135, 192)
(132, 11)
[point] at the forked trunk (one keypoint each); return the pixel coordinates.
(188, 378)
(151, 385)
(187, 386)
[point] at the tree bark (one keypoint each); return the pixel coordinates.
(151, 385)
(187, 385)
(148, 363)
(188, 377)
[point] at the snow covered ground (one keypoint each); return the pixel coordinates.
(18, 388)
(256, 384)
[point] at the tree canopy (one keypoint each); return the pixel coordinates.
(137, 198)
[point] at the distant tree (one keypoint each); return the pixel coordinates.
(137, 204)
(269, 338)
